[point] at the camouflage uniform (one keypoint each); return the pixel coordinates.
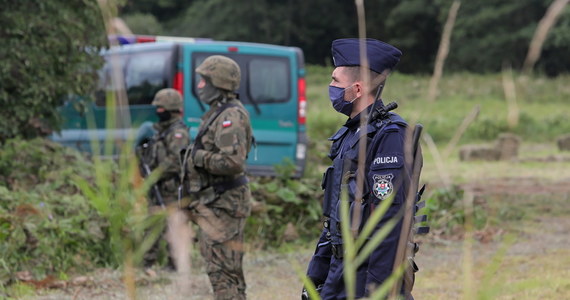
(217, 179)
(163, 153)
(164, 148)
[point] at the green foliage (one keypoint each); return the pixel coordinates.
(446, 211)
(50, 226)
(143, 24)
(49, 50)
(285, 201)
(117, 199)
(414, 27)
(277, 22)
(163, 10)
(46, 227)
(490, 33)
(487, 33)
(18, 291)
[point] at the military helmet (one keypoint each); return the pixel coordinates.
(223, 71)
(168, 98)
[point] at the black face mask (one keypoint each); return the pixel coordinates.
(164, 116)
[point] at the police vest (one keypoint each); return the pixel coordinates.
(344, 154)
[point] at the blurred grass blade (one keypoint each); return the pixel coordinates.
(468, 276)
(461, 130)
(546, 23)
(443, 50)
(511, 97)
(349, 274)
(307, 283)
(373, 220)
(152, 228)
(377, 239)
(382, 291)
(110, 124)
(493, 281)
(442, 170)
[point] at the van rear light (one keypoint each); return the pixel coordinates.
(302, 101)
(233, 49)
(178, 80)
(146, 39)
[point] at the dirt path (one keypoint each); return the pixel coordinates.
(535, 266)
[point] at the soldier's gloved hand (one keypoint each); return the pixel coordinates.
(198, 158)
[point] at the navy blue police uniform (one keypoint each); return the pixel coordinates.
(386, 175)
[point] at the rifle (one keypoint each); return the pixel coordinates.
(382, 111)
(145, 172)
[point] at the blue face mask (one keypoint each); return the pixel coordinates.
(336, 94)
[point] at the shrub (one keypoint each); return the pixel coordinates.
(284, 201)
(446, 211)
(46, 55)
(46, 226)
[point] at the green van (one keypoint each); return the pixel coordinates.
(272, 89)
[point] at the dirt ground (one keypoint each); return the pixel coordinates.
(535, 263)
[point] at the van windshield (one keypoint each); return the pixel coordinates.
(263, 79)
(144, 73)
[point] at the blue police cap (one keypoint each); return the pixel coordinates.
(381, 56)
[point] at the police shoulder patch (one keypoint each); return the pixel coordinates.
(383, 186)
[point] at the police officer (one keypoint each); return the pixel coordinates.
(384, 170)
(217, 176)
(163, 152)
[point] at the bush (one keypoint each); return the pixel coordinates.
(446, 211)
(284, 201)
(49, 51)
(46, 226)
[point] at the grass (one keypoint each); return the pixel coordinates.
(530, 165)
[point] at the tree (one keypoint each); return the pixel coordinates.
(292, 23)
(487, 33)
(414, 28)
(50, 49)
(163, 10)
(491, 33)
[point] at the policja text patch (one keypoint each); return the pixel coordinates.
(388, 161)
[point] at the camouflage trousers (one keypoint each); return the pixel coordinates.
(153, 255)
(221, 244)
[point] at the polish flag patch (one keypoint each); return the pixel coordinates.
(226, 124)
(178, 135)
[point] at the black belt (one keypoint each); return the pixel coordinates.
(223, 186)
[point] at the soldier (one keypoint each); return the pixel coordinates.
(385, 170)
(217, 180)
(163, 152)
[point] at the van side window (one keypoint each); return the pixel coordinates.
(145, 73)
(264, 79)
(268, 80)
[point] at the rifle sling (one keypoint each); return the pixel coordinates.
(197, 141)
